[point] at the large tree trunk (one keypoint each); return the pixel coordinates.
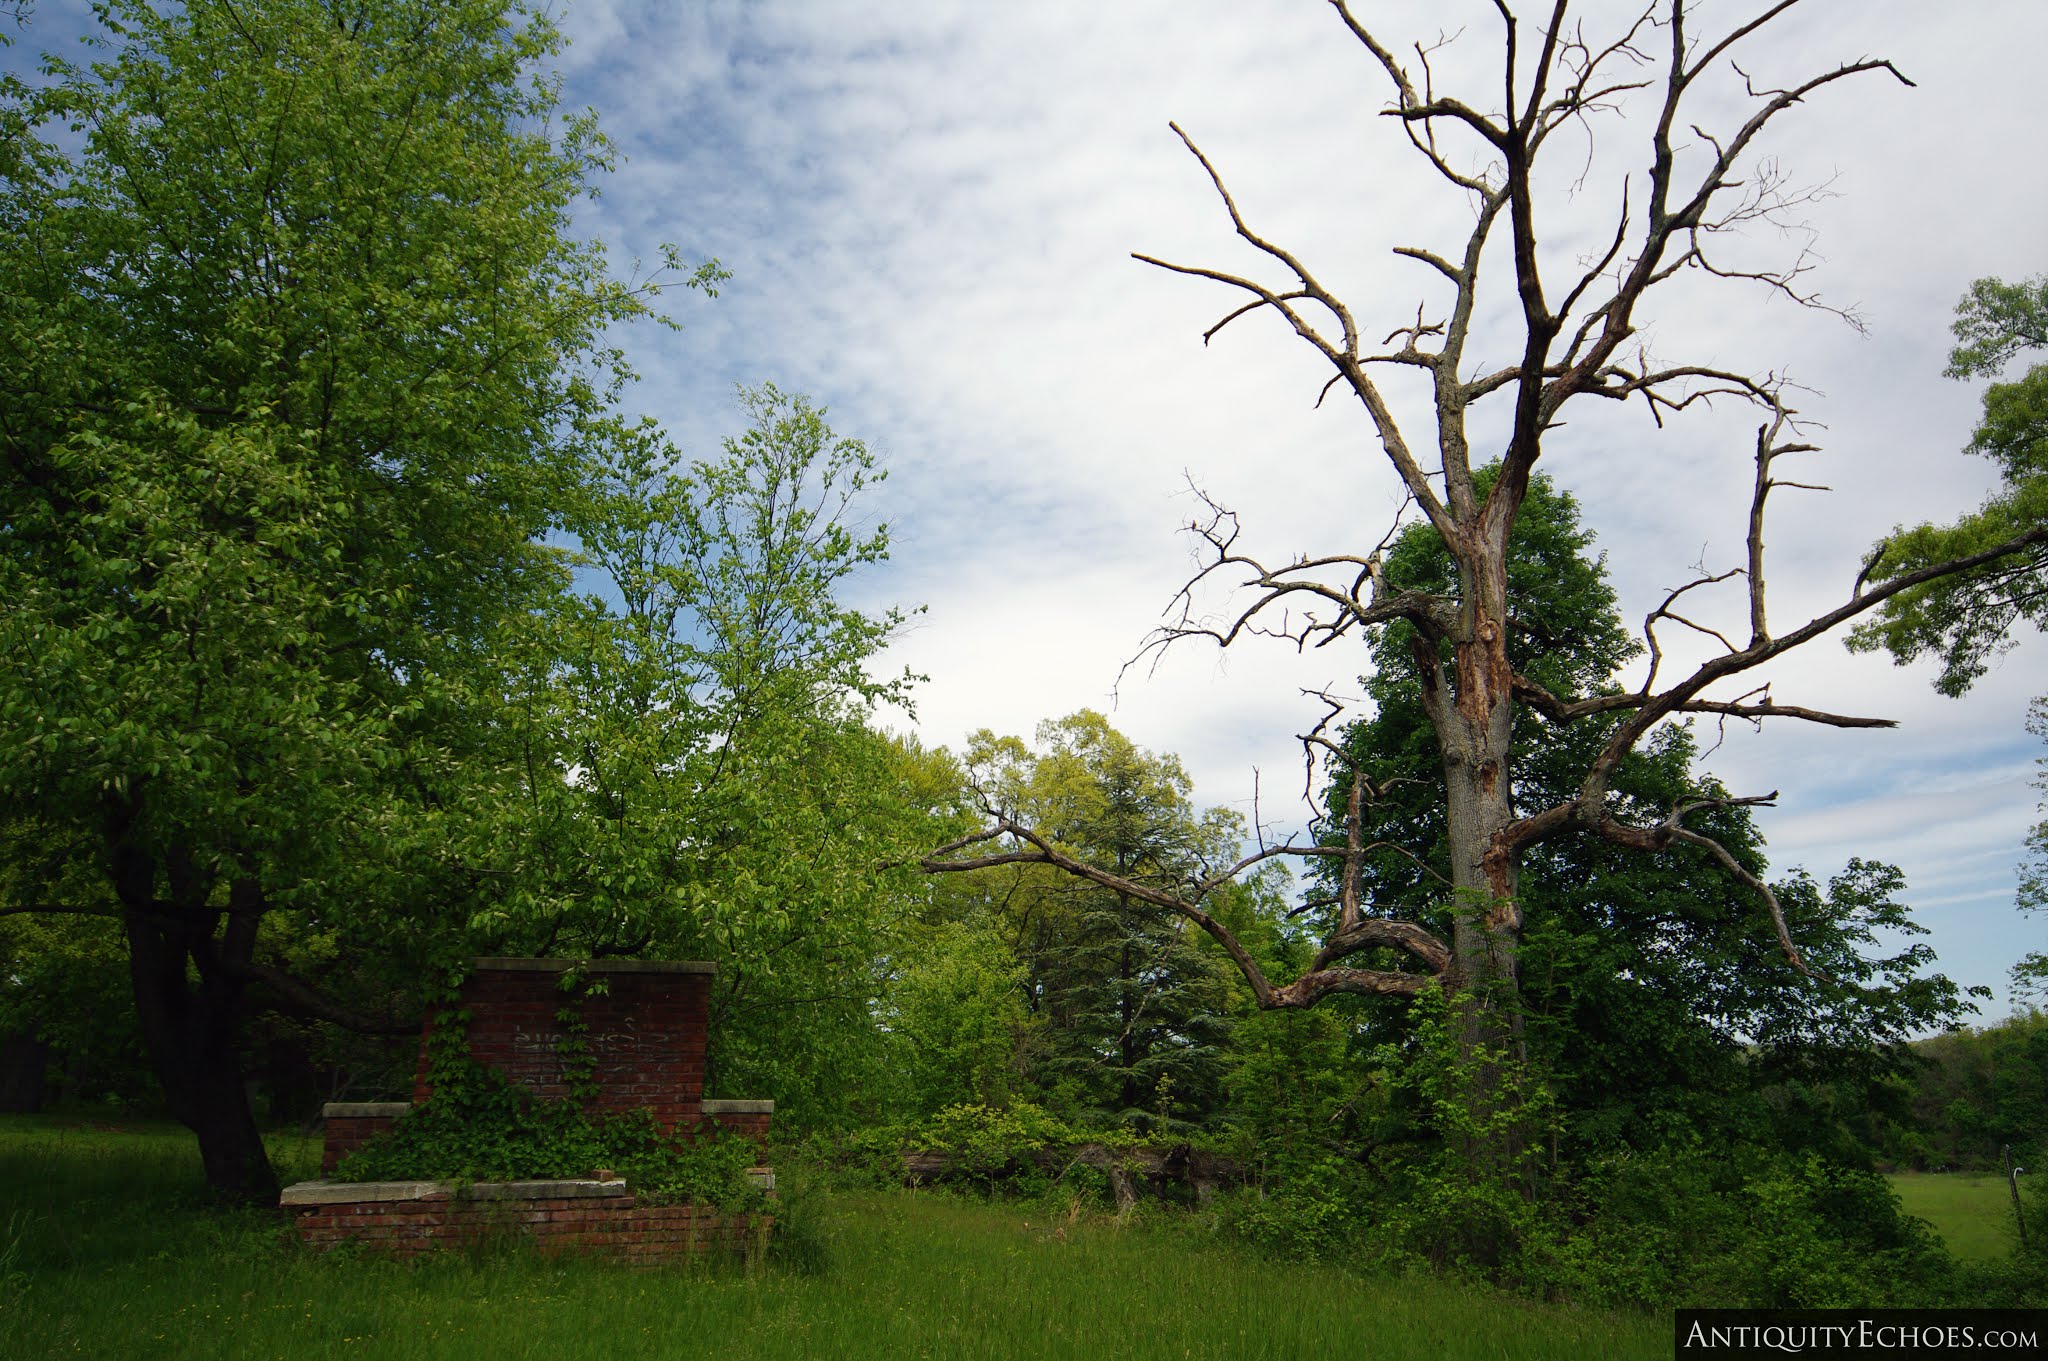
(190, 1030)
(190, 1011)
(1485, 939)
(1475, 725)
(24, 1060)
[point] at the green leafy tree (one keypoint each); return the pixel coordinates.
(1652, 1008)
(65, 1008)
(1655, 1016)
(1974, 1093)
(1966, 620)
(958, 1030)
(300, 353)
(700, 777)
(1666, 1069)
(1132, 1009)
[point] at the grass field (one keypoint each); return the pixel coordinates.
(1972, 1211)
(107, 1251)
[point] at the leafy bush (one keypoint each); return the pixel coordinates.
(987, 1139)
(1688, 1224)
(1740, 1226)
(1016, 1149)
(479, 1126)
(1309, 1213)
(1664, 1218)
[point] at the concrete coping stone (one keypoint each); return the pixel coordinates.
(354, 1192)
(364, 1110)
(568, 1189)
(737, 1107)
(345, 1192)
(678, 966)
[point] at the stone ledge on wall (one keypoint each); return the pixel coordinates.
(341, 1192)
(586, 1215)
(351, 1124)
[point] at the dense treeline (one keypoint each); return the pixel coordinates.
(1967, 1098)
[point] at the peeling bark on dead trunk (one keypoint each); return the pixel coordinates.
(1474, 726)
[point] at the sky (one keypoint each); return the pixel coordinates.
(929, 211)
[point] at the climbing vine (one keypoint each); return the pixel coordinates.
(478, 1125)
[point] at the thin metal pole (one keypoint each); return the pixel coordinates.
(2012, 1179)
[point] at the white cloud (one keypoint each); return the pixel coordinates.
(930, 208)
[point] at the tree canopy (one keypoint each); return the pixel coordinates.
(698, 777)
(1130, 1010)
(1968, 620)
(356, 627)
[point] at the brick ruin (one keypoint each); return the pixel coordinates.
(640, 1042)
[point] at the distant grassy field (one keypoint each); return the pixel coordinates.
(106, 1251)
(1972, 1211)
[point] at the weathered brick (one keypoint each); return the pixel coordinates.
(645, 1038)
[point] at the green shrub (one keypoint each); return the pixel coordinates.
(1738, 1226)
(1018, 1150)
(1687, 1224)
(478, 1126)
(1310, 1213)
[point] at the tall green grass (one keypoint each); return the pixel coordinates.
(1972, 1211)
(108, 1249)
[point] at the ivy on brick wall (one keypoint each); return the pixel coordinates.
(480, 1126)
(579, 1064)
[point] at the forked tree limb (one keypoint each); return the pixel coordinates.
(1031, 847)
(1569, 347)
(294, 996)
(287, 993)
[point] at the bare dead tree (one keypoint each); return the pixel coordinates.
(1577, 339)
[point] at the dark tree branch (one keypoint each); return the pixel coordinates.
(1031, 847)
(296, 997)
(1458, 641)
(1364, 600)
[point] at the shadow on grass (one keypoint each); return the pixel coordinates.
(84, 1193)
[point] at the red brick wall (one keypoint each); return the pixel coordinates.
(749, 1119)
(642, 1026)
(645, 1030)
(614, 1227)
(350, 1126)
